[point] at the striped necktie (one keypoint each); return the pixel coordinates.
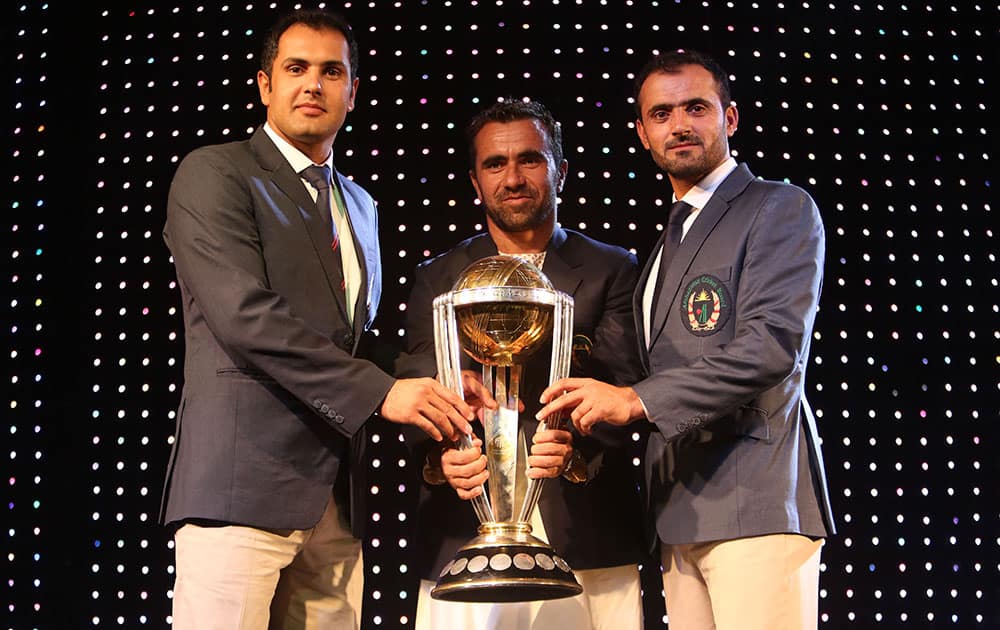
(319, 177)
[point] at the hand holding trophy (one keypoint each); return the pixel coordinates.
(502, 310)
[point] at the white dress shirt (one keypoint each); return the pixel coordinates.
(338, 213)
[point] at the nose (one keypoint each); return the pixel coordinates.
(680, 122)
(512, 176)
(314, 81)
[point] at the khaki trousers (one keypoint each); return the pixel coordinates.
(760, 583)
(243, 578)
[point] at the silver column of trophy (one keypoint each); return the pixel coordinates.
(501, 310)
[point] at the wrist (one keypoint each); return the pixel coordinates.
(636, 410)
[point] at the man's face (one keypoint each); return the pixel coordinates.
(515, 175)
(310, 89)
(683, 123)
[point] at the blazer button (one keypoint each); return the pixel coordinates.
(349, 340)
(325, 408)
(339, 419)
(317, 403)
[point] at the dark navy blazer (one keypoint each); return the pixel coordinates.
(275, 385)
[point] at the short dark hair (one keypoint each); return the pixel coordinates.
(510, 110)
(671, 63)
(313, 18)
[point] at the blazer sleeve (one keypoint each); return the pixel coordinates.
(778, 294)
(419, 358)
(610, 360)
(212, 233)
(615, 330)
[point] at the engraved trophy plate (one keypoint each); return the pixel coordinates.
(501, 311)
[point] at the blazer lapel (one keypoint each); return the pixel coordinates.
(560, 271)
(707, 219)
(640, 289)
(481, 247)
(316, 224)
(363, 231)
(557, 268)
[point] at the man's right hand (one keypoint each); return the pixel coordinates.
(465, 469)
(427, 404)
(477, 395)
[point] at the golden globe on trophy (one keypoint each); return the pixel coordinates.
(502, 310)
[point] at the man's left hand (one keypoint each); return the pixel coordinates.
(551, 451)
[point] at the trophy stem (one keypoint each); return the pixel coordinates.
(504, 460)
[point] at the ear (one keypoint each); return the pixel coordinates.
(639, 129)
(732, 119)
(354, 93)
(475, 184)
(563, 169)
(264, 86)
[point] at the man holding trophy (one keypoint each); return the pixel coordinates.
(589, 511)
(725, 309)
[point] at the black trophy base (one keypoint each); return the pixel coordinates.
(505, 563)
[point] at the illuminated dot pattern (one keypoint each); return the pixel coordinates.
(30, 420)
(882, 111)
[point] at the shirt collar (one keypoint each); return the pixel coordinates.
(701, 192)
(296, 159)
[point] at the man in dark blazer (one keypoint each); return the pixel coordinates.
(725, 311)
(591, 514)
(280, 276)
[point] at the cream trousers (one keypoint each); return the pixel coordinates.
(243, 578)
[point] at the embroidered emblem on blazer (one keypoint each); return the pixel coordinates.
(706, 305)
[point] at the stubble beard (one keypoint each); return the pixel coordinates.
(691, 169)
(692, 162)
(702, 159)
(521, 221)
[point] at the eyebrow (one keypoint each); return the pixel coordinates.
(502, 157)
(296, 61)
(687, 103)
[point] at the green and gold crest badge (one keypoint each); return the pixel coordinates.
(706, 305)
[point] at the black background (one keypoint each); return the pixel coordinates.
(883, 112)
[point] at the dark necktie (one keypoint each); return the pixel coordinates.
(672, 240)
(319, 177)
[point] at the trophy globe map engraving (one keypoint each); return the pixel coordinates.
(502, 310)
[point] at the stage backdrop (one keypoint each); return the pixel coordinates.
(882, 111)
